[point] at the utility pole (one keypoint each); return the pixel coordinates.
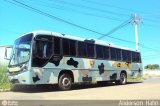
(135, 21)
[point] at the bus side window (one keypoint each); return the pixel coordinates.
(106, 52)
(72, 49)
(43, 46)
(69, 47)
(136, 57)
(113, 54)
(99, 52)
(126, 56)
(47, 50)
(133, 57)
(57, 45)
(118, 54)
(44, 49)
(82, 52)
(37, 49)
(90, 50)
(66, 48)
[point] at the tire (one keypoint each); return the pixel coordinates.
(123, 79)
(65, 82)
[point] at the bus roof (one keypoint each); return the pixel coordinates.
(96, 41)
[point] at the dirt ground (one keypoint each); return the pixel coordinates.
(149, 89)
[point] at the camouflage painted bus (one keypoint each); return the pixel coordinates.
(44, 57)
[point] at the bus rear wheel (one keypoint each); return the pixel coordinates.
(123, 79)
(65, 82)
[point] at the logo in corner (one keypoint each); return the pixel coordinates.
(4, 102)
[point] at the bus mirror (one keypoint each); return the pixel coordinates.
(7, 53)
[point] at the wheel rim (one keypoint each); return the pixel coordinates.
(66, 82)
(123, 78)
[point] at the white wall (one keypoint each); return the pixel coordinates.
(2, 54)
(152, 72)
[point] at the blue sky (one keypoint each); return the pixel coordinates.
(98, 15)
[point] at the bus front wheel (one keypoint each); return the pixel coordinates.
(65, 82)
(123, 79)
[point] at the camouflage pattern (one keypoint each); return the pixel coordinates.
(83, 69)
(86, 68)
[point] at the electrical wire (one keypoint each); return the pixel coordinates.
(115, 29)
(130, 10)
(90, 8)
(118, 7)
(59, 7)
(59, 19)
(23, 5)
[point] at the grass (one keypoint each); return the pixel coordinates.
(4, 83)
(137, 79)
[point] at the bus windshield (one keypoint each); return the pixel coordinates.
(21, 50)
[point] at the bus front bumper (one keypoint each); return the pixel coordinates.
(19, 78)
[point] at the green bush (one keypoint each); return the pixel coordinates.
(4, 83)
(136, 79)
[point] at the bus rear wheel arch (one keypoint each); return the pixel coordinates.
(65, 80)
(123, 78)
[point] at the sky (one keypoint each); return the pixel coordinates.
(100, 16)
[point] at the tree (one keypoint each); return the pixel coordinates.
(156, 66)
(152, 66)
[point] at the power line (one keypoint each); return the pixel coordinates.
(91, 8)
(51, 16)
(101, 10)
(105, 4)
(155, 58)
(115, 29)
(78, 11)
(59, 19)
(151, 20)
(149, 48)
(93, 2)
(153, 55)
(151, 25)
(113, 6)
(117, 7)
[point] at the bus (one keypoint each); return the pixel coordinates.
(45, 57)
